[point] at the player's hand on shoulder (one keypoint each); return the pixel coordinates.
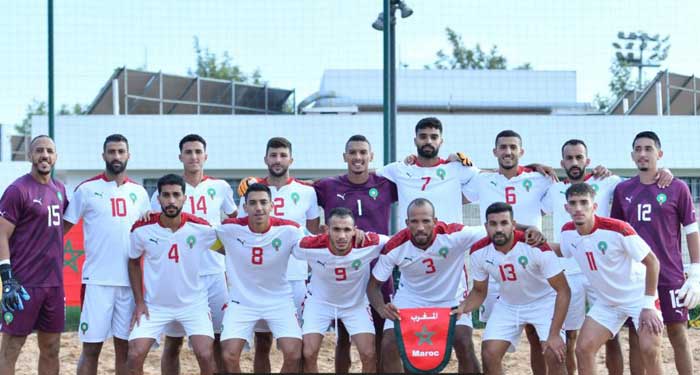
(534, 237)
(545, 170)
(139, 310)
(390, 311)
(147, 215)
(557, 346)
(323, 229)
(663, 178)
(600, 172)
(410, 159)
(243, 185)
(650, 320)
(461, 157)
(359, 237)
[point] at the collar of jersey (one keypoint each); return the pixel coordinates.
(440, 161)
(289, 181)
(183, 221)
(585, 178)
(103, 176)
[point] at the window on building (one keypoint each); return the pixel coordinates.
(694, 185)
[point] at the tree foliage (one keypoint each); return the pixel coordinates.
(40, 108)
(208, 64)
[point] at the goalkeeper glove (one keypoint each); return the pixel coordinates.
(690, 291)
(464, 159)
(12, 291)
(243, 186)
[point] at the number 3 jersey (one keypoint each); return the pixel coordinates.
(108, 211)
(338, 280)
(256, 263)
(429, 277)
(171, 259)
(610, 257)
(522, 273)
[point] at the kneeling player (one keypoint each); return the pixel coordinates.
(172, 244)
(624, 272)
(533, 290)
(337, 289)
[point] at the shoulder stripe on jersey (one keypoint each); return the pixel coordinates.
(568, 226)
(444, 228)
(520, 237)
(243, 221)
(397, 240)
(152, 219)
(307, 183)
(371, 239)
(194, 219)
(314, 242)
(614, 225)
(277, 222)
(482, 243)
(100, 176)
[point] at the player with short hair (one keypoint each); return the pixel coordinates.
(170, 244)
(109, 204)
(624, 273)
(430, 256)
(294, 200)
(533, 291)
(340, 273)
(369, 197)
(258, 247)
(210, 199)
(31, 260)
(658, 215)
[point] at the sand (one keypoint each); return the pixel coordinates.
(515, 363)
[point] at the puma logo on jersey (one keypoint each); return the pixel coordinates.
(493, 183)
(2, 213)
(98, 194)
(155, 241)
(679, 312)
(628, 199)
(408, 259)
(341, 196)
(323, 264)
(490, 262)
(37, 201)
(241, 241)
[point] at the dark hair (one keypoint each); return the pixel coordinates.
(171, 179)
(497, 208)
(357, 138)
(115, 138)
(419, 202)
(192, 138)
(258, 187)
(278, 142)
(38, 137)
(429, 122)
(573, 142)
(340, 212)
(648, 134)
(580, 188)
(508, 133)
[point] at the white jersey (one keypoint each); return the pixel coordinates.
(211, 200)
(429, 277)
(295, 201)
(338, 280)
(172, 259)
(524, 192)
(522, 273)
(108, 211)
(610, 257)
(440, 184)
(256, 263)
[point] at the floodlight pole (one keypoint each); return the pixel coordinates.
(389, 86)
(50, 42)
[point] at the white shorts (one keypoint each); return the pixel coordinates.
(299, 294)
(577, 306)
(404, 301)
(318, 316)
(106, 312)
(613, 317)
(239, 321)
(195, 319)
(217, 295)
(490, 300)
(506, 322)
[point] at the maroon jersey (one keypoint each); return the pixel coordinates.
(657, 215)
(36, 245)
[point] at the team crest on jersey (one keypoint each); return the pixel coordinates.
(527, 184)
(211, 192)
(595, 187)
(602, 246)
(191, 241)
(373, 193)
(133, 197)
(441, 173)
(83, 327)
(276, 243)
(8, 317)
(60, 196)
(661, 198)
(443, 252)
(295, 197)
(523, 261)
(356, 264)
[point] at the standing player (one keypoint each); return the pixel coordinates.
(257, 254)
(369, 197)
(658, 215)
(292, 200)
(109, 204)
(171, 245)
(624, 273)
(340, 274)
(210, 199)
(533, 291)
(31, 261)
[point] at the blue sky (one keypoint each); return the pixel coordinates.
(293, 42)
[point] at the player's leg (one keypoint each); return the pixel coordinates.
(10, 348)
(312, 345)
(317, 319)
(49, 325)
(203, 348)
(291, 354)
(136, 357)
(121, 326)
(231, 350)
(492, 352)
(463, 344)
(218, 302)
(539, 315)
(678, 336)
(575, 316)
(613, 356)
(49, 346)
(170, 358)
(121, 350)
(196, 320)
(89, 357)
(378, 323)
(635, 356)
(284, 324)
(502, 334)
(261, 358)
(364, 342)
(238, 325)
(342, 350)
(391, 360)
(358, 321)
(650, 350)
(96, 310)
(571, 336)
(16, 327)
(144, 334)
(590, 338)
(537, 362)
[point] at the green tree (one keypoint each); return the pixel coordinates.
(462, 57)
(40, 108)
(209, 65)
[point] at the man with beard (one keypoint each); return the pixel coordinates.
(533, 291)
(109, 204)
(170, 244)
(210, 199)
(292, 200)
(31, 261)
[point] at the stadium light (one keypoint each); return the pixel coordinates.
(641, 41)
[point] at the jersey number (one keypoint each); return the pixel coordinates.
(429, 264)
(118, 207)
(54, 215)
(507, 272)
(174, 254)
(510, 195)
(277, 206)
(675, 303)
(340, 274)
(643, 212)
(591, 261)
(201, 205)
(256, 256)
(359, 207)
(425, 184)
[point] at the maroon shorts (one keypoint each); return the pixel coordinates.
(45, 311)
(671, 308)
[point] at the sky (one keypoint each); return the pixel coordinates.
(292, 42)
